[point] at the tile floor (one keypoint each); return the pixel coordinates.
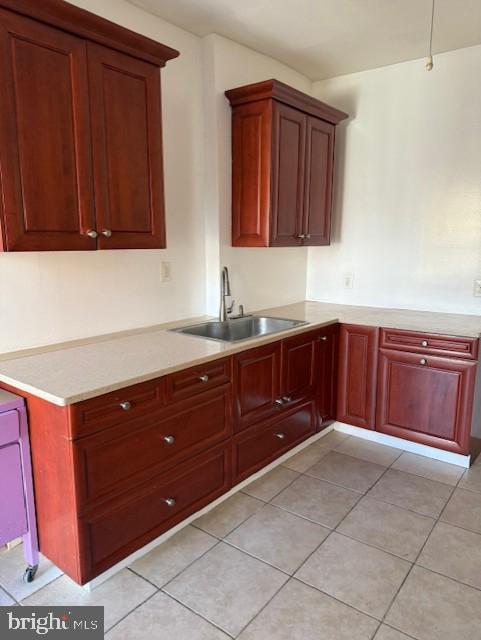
(347, 540)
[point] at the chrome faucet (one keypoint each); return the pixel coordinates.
(224, 292)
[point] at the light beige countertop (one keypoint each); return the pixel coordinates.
(67, 373)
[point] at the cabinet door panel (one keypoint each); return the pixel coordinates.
(327, 373)
(358, 355)
(288, 163)
(45, 150)
(318, 183)
(127, 151)
(299, 366)
(13, 519)
(257, 384)
(426, 399)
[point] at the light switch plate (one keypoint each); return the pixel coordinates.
(348, 280)
(165, 272)
(477, 289)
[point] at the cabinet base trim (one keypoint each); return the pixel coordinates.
(89, 586)
(398, 443)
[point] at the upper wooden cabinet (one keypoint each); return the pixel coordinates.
(282, 166)
(80, 131)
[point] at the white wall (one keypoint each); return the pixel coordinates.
(408, 188)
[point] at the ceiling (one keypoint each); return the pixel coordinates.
(326, 38)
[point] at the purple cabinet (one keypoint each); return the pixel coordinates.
(17, 507)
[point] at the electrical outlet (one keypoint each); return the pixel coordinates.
(348, 280)
(165, 272)
(477, 289)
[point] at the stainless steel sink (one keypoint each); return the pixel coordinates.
(240, 328)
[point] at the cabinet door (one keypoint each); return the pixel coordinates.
(288, 163)
(327, 373)
(358, 356)
(257, 374)
(318, 182)
(45, 155)
(427, 399)
(13, 519)
(299, 367)
(127, 150)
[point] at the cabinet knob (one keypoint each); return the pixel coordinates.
(281, 435)
(170, 502)
(91, 233)
(204, 378)
(286, 399)
(125, 405)
(307, 236)
(168, 439)
(107, 233)
(301, 236)
(424, 343)
(323, 338)
(279, 402)
(423, 361)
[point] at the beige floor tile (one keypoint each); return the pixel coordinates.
(464, 510)
(5, 599)
(429, 468)
(424, 496)
(228, 515)
(226, 587)
(12, 568)
(272, 483)
(455, 553)
(432, 607)
(347, 471)
(388, 527)
(299, 612)
(331, 440)
(278, 537)
(162, 617)
(305, 458)
(387, 633)
(370, 451)
(316, 500)
(472, 478)
(361, 576)
(173, 556)
(119, 595)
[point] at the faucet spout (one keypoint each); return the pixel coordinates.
(224, 292)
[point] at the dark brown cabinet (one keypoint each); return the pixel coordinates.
(282, 166)
(358, 356)
(300, 356)
(326, 374)
(80, 132)
(426, 398)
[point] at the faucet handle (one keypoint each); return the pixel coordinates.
(230, 308)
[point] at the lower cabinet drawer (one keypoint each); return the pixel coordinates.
(262, 444)
(116, 460)
(166, 500)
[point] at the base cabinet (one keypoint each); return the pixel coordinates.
(427, 399)
(358, 354)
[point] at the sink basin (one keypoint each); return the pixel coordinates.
(240, 328)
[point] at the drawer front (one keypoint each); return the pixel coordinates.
(262, 444)
(165, 501)
(9, 427)
(13, 518)
(430, 343)
(117, 459)
(117, 407)
(190, 382)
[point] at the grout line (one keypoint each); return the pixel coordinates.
(264, 606)
(132, 611)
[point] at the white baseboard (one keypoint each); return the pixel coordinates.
(168, 534)
(406, 445)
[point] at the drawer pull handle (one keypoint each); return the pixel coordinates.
(170, 502)
(125, 405)
(323, 338)
(423, 361)
(424, 343)
(204, 378)
(168, 439)
(286, 399)
(281, 436)
(279, 402)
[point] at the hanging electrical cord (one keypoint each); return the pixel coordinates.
(429, 63)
